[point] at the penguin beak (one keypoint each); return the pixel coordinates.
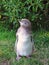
(19, 20)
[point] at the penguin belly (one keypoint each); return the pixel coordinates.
(24, 46)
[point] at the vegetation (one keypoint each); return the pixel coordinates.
(37, 11)
(39, 57)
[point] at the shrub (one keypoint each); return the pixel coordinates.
(37, 11)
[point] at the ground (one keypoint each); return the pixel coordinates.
(39, 57)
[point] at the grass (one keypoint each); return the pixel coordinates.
(39, 57)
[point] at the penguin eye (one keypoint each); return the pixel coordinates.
(25, 22)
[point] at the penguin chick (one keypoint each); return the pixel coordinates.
(24, 44)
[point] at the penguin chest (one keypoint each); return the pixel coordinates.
(24, 45)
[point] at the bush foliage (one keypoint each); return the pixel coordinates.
(37, 11)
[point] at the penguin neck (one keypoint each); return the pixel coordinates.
(27, 29)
